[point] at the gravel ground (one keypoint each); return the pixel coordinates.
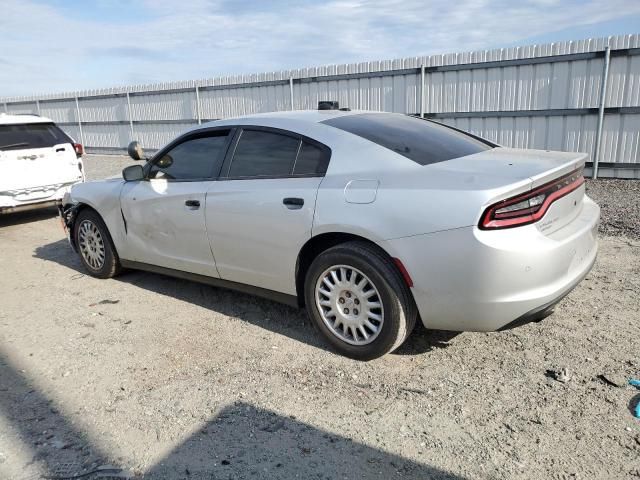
(105, 166)
(166, 378)
(619, 201)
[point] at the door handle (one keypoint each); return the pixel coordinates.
(193, 203)
(293, 203)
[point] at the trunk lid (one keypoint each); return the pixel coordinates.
(540, 167)
(502, 173)
(499, 167)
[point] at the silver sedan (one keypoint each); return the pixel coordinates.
(369, 220)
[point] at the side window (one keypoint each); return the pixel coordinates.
(260, 154)
(195, 158)
(311, 160)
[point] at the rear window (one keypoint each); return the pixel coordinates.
(35, 135)
(312, 160)
(422, 141)
(263, 154)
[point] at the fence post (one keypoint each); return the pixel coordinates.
(38, 106)
(130, 115)
(6, 109)
(80, 123)
(422, 91)
(198, 112)
(601, 106)
(291, 90)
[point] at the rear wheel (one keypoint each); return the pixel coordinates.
(359, 301)
(97, 253)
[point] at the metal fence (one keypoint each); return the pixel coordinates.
(574, 96)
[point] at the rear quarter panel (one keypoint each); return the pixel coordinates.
(412, 199)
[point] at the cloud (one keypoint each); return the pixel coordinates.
(108, 44)
(136, 53)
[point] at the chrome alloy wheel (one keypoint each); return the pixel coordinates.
(91, 244)
(349, 304)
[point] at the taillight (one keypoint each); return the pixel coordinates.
(79, 149)
(531, 206)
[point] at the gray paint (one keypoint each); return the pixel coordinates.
(464, 278)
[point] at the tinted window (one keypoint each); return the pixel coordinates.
(420, 140)
(260, 153)
(195, 158)
(36, 135)
(311, 160)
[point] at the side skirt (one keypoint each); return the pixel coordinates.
(279, 297)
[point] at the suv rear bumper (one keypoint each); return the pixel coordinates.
(29, 206)
(21, 200)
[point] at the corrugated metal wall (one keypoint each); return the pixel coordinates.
(537, 96)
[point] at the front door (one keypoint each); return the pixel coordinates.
(165, 213)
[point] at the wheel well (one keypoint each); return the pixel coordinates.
(85, 206)
(71, 220)
(314, 247)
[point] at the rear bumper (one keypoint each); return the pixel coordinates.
(33, 198)
(29, 206)
(472, 280)
(542, 311)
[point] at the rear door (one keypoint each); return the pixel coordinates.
(260, 212)
(36, 155)
(165, 212)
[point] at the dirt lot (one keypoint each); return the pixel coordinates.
(165, 378)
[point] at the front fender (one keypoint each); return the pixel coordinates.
(104, 198)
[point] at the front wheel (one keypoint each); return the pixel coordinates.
(359, 301)
(97, 253)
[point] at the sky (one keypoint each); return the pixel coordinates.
(50, 46)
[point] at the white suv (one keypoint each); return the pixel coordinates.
(38, 161)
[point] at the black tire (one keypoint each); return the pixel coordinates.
(110, 265)
(399, 312)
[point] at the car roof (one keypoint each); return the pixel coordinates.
(22, 119)
(310, 116)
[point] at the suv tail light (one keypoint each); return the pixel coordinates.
(531, 206)
(79, 149)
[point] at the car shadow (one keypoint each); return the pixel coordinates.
(240, 441)
(292, 322)
(18, 218)
(633, 404)
(53, 445)
(244, 441)
(422, 340)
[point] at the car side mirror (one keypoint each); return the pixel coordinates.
(133, 173)
(135, 150)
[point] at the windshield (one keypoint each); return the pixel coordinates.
(35, 135)
(422, 141)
